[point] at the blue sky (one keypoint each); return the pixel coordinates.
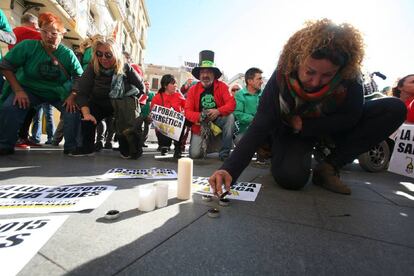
(246, 33)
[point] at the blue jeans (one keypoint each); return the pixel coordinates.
(227, 127)
(37, 121)
(12, 117)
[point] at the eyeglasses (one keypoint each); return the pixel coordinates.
(100, 54)
(52, 34)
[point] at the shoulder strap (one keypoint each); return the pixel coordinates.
(56, 61)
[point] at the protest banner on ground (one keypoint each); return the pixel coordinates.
(152, 173)
(403, 154)
(240, 190)
(167, 121)
(21, 239)
(18, 199)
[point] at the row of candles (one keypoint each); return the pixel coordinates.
(156, 195)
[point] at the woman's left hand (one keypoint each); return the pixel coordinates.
(70, 104)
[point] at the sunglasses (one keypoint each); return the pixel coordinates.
(100, 54)
(52, 34)
(235, 90)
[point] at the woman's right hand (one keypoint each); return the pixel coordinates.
(219, 178)
(21, 99)
(89, 117)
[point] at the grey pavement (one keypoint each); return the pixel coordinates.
(312, 231)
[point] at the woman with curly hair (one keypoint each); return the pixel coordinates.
(315, 93)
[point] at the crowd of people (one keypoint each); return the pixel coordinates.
(314, 94)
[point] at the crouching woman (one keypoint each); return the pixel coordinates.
(110, 87)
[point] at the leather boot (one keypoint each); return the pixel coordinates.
(123, 146)
(134, 144)
(325, 175)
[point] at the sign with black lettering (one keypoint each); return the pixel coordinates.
(17, 199)
(246, 191)
(403, 154)
(152, 173)
(21, 238)
(167, 121)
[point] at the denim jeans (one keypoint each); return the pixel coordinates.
(227, 127)
(37, 121)
(12, 117)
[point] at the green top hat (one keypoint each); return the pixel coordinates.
(206, 61)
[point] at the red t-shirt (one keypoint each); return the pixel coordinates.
(410, 110)
(176, 101)
(23, 33)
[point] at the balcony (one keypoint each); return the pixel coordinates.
(134, 34)
(129, 23)
(117, 8)
(69, 6)
(142, 40)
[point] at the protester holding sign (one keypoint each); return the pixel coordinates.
(315, 92)
(168, 97)
(405, 91)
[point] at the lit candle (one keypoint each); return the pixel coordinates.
(185, 178)
(146, 198)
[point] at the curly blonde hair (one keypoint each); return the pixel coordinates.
(342, 39)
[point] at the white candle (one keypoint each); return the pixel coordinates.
(161, 197)
(185, 178)
(146, 198)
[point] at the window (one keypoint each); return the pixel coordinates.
(154, 84)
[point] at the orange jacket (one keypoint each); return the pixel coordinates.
(224, 101)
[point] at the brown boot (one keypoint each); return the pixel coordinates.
(327, 176)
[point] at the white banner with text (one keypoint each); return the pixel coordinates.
(167, 121)
(17, 199)
(22, 238)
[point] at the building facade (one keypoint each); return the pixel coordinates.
(128, 20)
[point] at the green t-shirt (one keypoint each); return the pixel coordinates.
(246, 108)
(145, 110)
(4, 24)
(36, 70)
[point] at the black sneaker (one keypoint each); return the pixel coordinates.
(177, 154)
(6, 151)
(164, 150)
(81, 152)
(108, 145)
(98, 146)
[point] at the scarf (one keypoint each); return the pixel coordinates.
(295, 101)
(118, 85)
(296, 89)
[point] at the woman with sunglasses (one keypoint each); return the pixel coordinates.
(39, 72)
(110, 87)
(315, 93)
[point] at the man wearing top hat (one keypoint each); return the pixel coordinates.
(209, 101)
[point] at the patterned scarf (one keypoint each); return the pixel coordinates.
(296, 89)
(294, 100)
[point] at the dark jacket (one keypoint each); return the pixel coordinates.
(96, 88)
(268, 121)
